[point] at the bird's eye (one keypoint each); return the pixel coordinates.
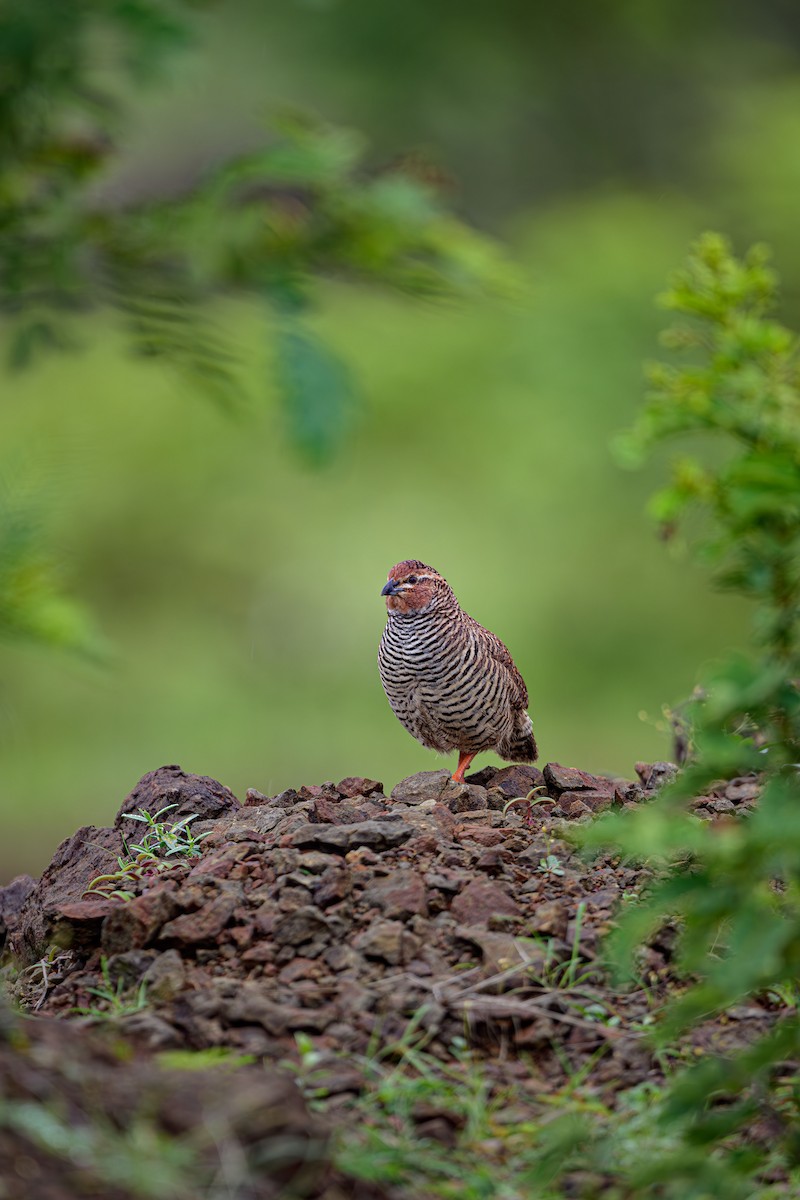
(412, 579)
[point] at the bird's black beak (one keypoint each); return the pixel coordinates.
(391, 588)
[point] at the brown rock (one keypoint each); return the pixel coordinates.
(342, 812)
(484, 835)
(334, 886)
(253, 798)
(357, 785)
(742, 789)
(201, 927)
(378, 835)
(482, 899)
(134, 924)
(14, 895)
(78, 925)
(550, 918)
(445, 821)
(165, 977)
(318, 863)
(655, 775)
(500, 951)
(187, 793)
(570, 779)
(594, 801)
(401, 894)
(425, 785)
(299, 926)
(340, 958)
(388, 941)
(516, 780)
(249, 1006)
(492, 860)
(465, 797)
(572, 806)
(77, 861)
(318, 791)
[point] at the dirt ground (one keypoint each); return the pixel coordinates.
(335, 917)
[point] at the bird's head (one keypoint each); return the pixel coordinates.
(412, 587)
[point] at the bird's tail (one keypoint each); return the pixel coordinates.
(520, 745)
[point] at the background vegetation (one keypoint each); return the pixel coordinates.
(236, 584)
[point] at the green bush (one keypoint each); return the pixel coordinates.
(734, 888)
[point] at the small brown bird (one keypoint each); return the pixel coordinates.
(452, 683)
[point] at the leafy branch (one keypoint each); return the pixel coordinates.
(733, 889)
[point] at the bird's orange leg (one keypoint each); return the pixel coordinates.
(464, 760)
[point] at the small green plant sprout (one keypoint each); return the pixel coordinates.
(164, 840)
(150, 856)
(113, 1002)
(528, 801)
(550, 865)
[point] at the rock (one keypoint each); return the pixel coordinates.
(465, 797)
(627, 793)
(482, 899)
(377, 835)
(151, 1031)
(77, 926)
(572, 806)
(400, 894)
(482, 778)
(357, 785)
(742, 789)
(77, 861)
(492, 860)
(300, 926)
(14, 895)
(569, 779)
(333, 887)
(318, 863)
(187, 793)
(593, 801)
(254, 798)
(517, 780)
(165, 977)
(484, 835)
(445, 820)
(388, 941)
(425, 785)
(550, 919)
(201, 927)
(250, 1006)
(251, 825)
(342, 812)
(132, 925)
(655, 775)
(500, 951)
(341, 958)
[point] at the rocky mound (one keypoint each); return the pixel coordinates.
(341, 917)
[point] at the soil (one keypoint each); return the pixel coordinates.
(338, 917)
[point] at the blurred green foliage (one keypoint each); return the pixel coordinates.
(734, 890)
(268, 223)
(238, 589)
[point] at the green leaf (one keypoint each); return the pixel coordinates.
(317, 391)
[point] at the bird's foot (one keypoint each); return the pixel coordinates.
(463, 762)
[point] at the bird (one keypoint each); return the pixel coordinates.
(449, 681)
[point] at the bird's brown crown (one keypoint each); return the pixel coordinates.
(412, 586)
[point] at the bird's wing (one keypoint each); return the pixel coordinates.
(499, 652)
